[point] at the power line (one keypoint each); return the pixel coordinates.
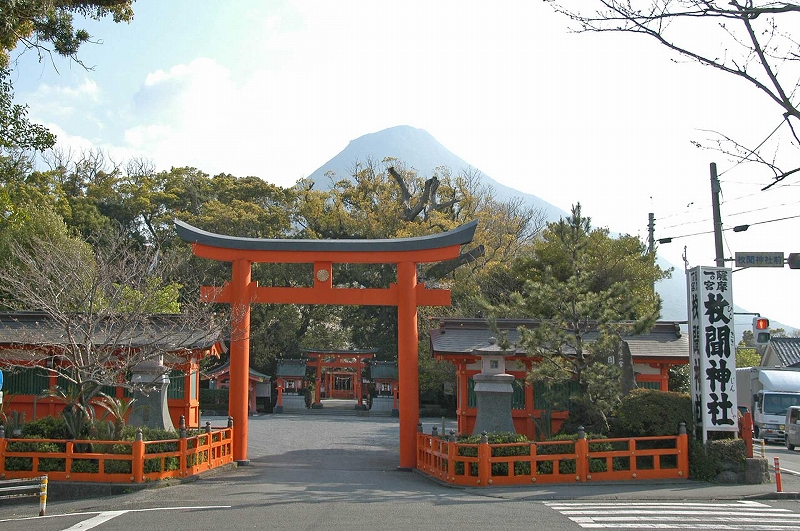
(668, 240)
(768, 207)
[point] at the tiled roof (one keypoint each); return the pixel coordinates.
(463, 336)
(166, 331)
(291, 368)
(787, 349)
(355, 352)
(226, 368)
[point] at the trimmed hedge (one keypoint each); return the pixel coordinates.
(652, 413)
(707, 461)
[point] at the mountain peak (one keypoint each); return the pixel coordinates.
(418, 149)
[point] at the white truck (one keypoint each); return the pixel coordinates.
(768, 392)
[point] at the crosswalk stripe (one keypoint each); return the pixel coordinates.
(738, 516)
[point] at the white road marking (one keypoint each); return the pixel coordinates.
(105, 516)
(96, 521)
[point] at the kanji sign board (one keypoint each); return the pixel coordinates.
(712, 344)
(759, 259)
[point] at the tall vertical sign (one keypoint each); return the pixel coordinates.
(713, 352)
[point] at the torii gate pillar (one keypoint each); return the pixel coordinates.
(407, 294)
(407, 362)
(238, 404)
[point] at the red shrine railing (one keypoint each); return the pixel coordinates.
(567, 461)
(116, 461)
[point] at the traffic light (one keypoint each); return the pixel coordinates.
(760, 330)
(793, 260)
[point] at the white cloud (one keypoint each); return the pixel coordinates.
(87, 89)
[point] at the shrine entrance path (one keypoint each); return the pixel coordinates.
(298, 447)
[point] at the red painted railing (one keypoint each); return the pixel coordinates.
(116, 461)
(567, 461)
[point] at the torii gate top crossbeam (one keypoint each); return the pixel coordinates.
(430, 248)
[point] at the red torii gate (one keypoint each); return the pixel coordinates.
(406, 294)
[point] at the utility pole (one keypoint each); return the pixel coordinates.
(715, 189)
(651, 243)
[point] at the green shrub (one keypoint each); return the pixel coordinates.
(565, 466)
(117, 466)
(46, 428)
(154, 464)
(18, 464)
(730, 450)
(52, 464)
(648, 412)
(20, 446)
(85, 465)
(148, 434)
(498, 469)
(214, 399)
(707, 461)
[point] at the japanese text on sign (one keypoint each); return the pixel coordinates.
(713, 359)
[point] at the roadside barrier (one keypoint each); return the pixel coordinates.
(26, 488)
(566, 461)
(117, 461)
(778, 482)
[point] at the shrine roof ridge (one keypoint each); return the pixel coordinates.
(353, 351)
(458, 236)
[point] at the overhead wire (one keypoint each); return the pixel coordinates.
(731, 228)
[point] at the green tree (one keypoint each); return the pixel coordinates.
(588, 290)
(747, 339)
(47, 26)
(16, 131)
(100, 299)
(747, 357)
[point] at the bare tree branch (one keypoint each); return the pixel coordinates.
(751, 47)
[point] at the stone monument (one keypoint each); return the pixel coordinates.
(493, 390)
(151, 408)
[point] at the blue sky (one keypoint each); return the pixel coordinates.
(276, 88)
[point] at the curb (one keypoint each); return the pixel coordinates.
(78, 490)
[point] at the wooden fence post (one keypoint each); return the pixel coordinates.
(182, 448)
(137, 454)
(683, 451)
(69, 449)
(452, 452)
(581, 455)
(484, 464)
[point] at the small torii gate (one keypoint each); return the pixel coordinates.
(406, 294)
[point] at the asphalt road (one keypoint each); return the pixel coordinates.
(309, 473)
(789, 463)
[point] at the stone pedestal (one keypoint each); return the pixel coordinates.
(756, 471)
(493, 394)
(151, 408)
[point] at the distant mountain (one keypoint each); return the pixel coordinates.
(418, 150)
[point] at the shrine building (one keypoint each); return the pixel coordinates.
(459, 341)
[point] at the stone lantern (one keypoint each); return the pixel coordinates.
(493, 390)
(151, 408)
